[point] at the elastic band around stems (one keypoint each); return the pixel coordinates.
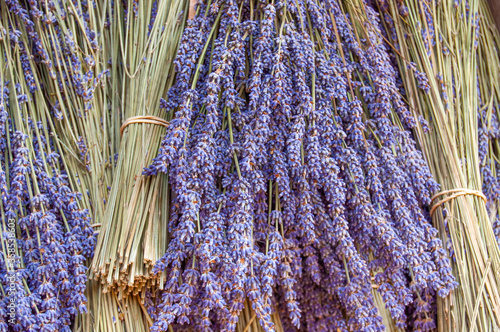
(143, 119)
(456, 193)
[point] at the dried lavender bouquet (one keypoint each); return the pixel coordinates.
(442, 41)
(46, 235)
(133, 235)
(296, 183)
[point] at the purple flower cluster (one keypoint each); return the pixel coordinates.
(295, 184)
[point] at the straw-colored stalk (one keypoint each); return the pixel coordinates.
(451, 149)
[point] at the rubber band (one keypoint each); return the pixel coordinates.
(456, 193)
(144, 119)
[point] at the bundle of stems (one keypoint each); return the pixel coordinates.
(436, 48)
(133, 234)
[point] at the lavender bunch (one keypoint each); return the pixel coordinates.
(457, 98)
(78, 109)
(133, 235)
(296, 183)
(46, 234)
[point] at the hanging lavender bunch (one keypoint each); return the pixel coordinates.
(52, 233)
(289, 137)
